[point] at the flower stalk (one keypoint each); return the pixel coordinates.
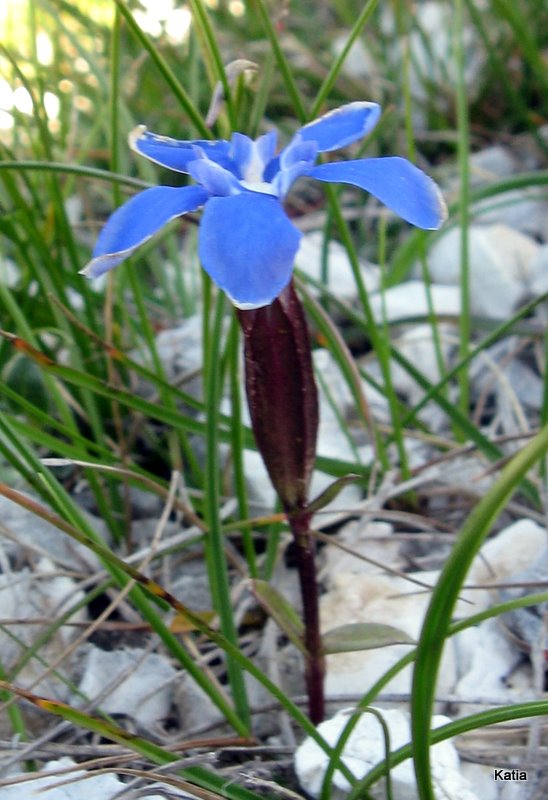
(283, 405)
(305, 548)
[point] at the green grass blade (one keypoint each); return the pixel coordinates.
(215, 543)
(493, 716)
(409, 252)
(463, 149)
(523, 32)
(282, 62)
(438, 617)
(356, 792)
(82, 533)
(337, 65)
(165, 71)
(194, 778)
(238, 443)
(212, 56)
(78, 170)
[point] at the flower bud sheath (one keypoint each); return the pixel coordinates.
(282, 394)
(283, 404)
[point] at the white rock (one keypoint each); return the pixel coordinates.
(432, 56)
(195, 708)
(523, 210)
(333, 392)
(10, 273)
(512, 550)
(511, 386)
(485, 658)
(481, 777)
(86, 784)
(180, 351)
(467, 472)
(360, 537)
(142, 686)
(416, 343)
(526, 626)
(484, 654)
(340, 278)
(418, 346)
(74, 209)
(43, 594)
(358, 62)
(491, 163)
(263, 497)
(337, 437)
(366, 747)
(386, 599)
(530, 149)
(408, 300)
(192, 586)
(95, 787)
(539, 271)
(432, 51)
(500, 262)
(526, 384)
(24, 530)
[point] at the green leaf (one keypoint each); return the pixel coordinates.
(329, 494)
(281, 611)
(363, 636)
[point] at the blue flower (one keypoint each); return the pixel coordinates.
(247, 244)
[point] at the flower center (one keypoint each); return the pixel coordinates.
(264, 187)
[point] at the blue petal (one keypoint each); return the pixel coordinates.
(285, 178)
(250, 156)
(247, 245)
(215, 179)
(395, 182)
(241, 151)
(272, 168)
(266, 146)
(176, 154)
(136, 221)
(295, 160)
(297, 151)
(342, 126)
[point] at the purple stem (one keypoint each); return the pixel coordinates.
(305, 547)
